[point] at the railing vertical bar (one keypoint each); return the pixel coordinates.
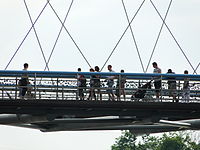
(35, 86)
(16, 88)
(57, 90)
(161, 95)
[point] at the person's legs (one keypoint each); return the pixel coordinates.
(157, 85)
(23, 92)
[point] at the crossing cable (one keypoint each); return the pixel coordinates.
(196, 68)
(35, 33)
(133, 36)
(158, 37)
(122, 35)
(70, 35)
(173, 37)
(58, 36)
(26, 36)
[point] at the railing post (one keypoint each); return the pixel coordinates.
(35, 90)
(120, 87)
(161, 77)
(3, 92)
(179, 88)
(16, 88)
(57, 90)
(77, 82)
(62, 92)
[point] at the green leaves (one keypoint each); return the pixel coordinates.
(170, 141)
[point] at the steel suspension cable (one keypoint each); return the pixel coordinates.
(26, 35)
(133, 36)
(158, 35)
(173, 37)
(196, 68)
(58, 36)
(35, 33)
(122, 35)
(70, 36)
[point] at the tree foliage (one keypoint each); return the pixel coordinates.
(171, 141)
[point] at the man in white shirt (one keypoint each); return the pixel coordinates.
(110, 83)
(157, 81)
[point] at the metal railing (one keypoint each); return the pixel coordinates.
(54, 85)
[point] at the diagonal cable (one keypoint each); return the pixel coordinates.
(70, 35)
(26, 36)
(58, 35)
(123, 34)
(173, 37)
(133, 36)
(196, 68)
(36, 33)
(158, 35)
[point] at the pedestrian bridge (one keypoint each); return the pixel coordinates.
(52, 103)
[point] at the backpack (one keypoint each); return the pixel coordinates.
(23, 82)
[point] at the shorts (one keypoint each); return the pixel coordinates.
(110, 84)
(157, 85)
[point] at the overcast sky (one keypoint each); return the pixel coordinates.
(96, 26)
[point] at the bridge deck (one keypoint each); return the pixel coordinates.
(101, 108)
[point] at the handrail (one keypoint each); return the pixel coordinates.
(62, 85)
(66, 74)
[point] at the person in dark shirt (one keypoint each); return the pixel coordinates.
(171, 84)
(81, 84)
(97, 83)
(23, 82)
(92, 85)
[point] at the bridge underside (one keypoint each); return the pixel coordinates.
(59, 115)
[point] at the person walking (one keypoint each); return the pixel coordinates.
(157, 80)
(172, 85)
(186, 89)
(110, 83)
(81, 83)
(23, 82)
(97, 83)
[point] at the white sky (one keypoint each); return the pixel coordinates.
(96, 26)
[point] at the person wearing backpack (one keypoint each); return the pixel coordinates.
(23, 82)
